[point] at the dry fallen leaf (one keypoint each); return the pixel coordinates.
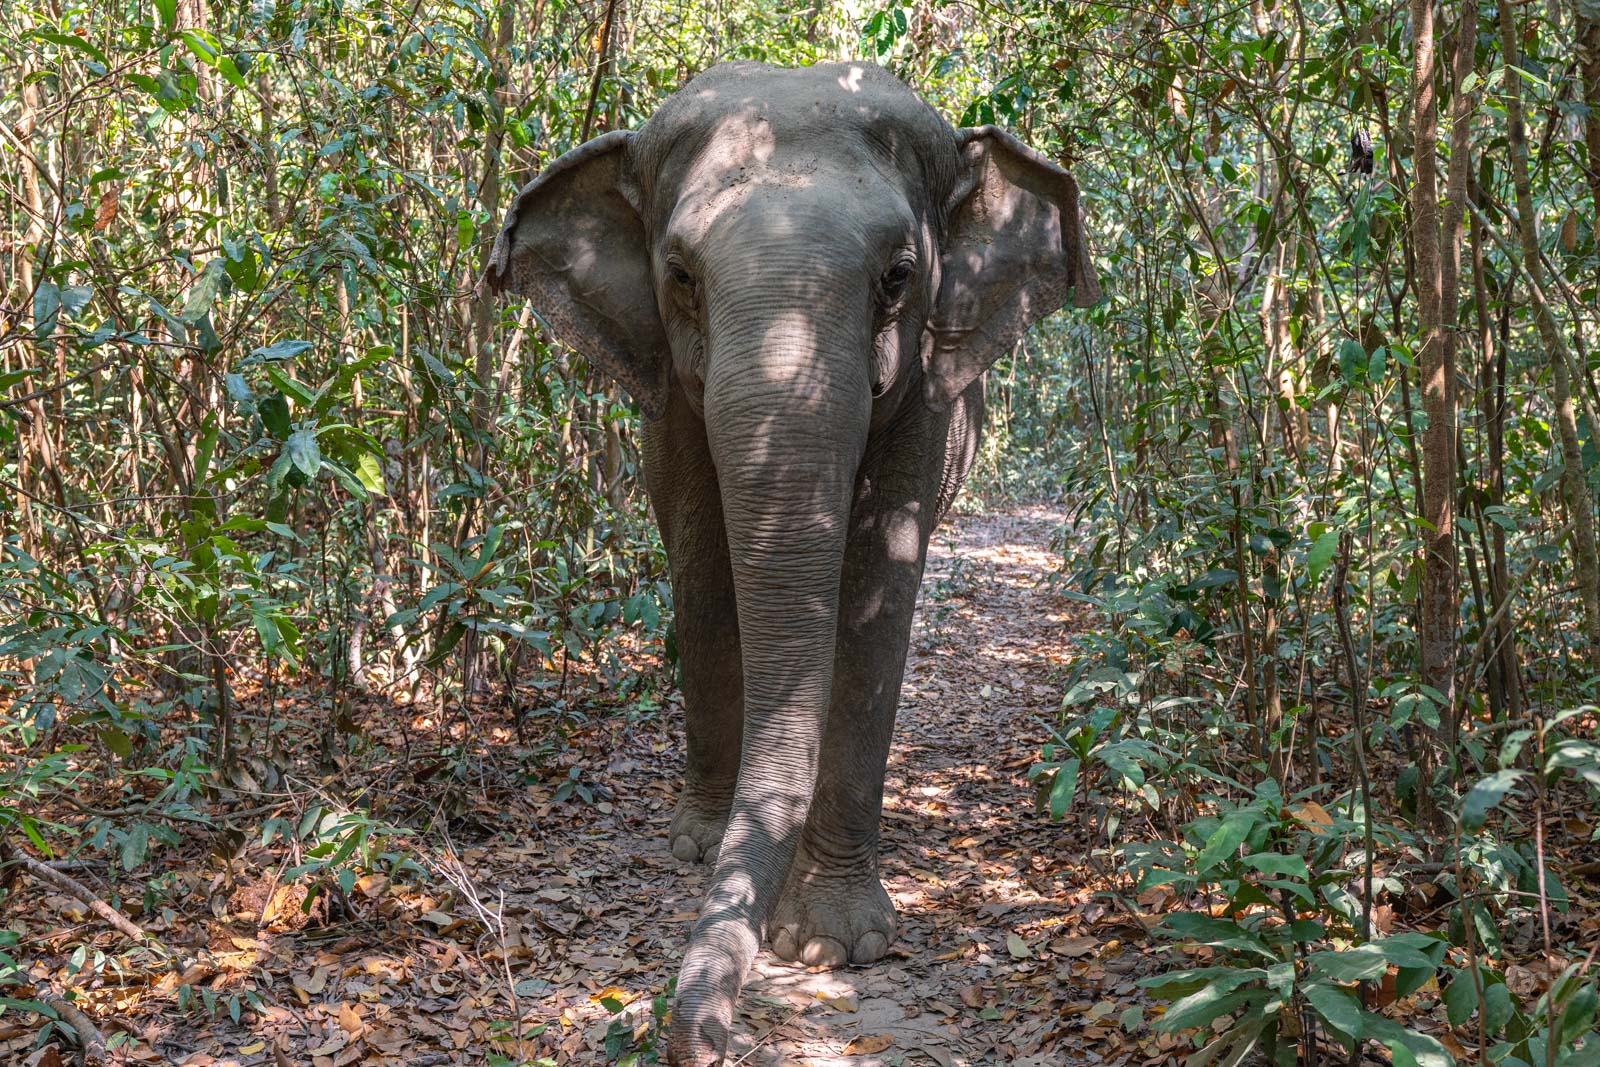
(845, 1002)
(350, 1019)
(867, 1044)
(1313, 815)
(1075, 946)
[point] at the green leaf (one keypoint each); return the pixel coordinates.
(1336, 1006)
(1497, 999)
(346, 478)
(134, 846)
(278, 350)
(203, 293)
(1181, 983)
(1213, 578)
(168, 12)
(303, 452)
(1275, 863)
(1423, 1050)
(1460, 997)
(1352, 361)
(287, 385)
(370, 470)
(230, 70)
(1225, 840)
(1350, 965)
(1321, 553)
(1204, 1007)
(1221, 933)
(274, 412)
(67, 40)
(1485, 796)
(117, 741)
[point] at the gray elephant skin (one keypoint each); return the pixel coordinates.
(800, 276)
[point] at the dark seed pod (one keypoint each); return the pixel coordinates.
(1360, 153)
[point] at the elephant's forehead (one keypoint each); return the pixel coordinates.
(745, 126)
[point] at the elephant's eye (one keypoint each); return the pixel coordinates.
(680, 275)
(895, 279)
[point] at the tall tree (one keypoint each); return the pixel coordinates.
(1440, 597)
(1580, 505)
(1442, 578)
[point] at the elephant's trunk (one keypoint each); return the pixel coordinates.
(787, 404)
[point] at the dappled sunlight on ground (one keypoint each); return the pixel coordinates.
(1004, 955)
(549, 896)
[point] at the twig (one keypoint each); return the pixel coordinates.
(1358, 705)
(769, 1035)
(68, 884)
(91, 1043)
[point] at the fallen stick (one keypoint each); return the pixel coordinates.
(67, 884)
(91, 1043)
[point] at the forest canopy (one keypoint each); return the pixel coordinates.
(311, 554)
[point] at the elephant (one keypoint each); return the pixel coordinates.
(800, 276)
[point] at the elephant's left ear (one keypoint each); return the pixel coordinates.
(1015, 250)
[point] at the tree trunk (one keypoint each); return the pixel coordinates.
(1439, 594)
(1442, 579)
(1579, 503)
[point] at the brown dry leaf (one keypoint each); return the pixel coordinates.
(336, 1041)
(847, 1002)
(1075, 946)
(350, 1019)
(972, 996)
(867, 1044)
(106, 213)
(1312, 815)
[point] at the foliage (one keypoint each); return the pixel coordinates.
(265, 453)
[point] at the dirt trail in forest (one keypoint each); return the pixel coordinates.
(995, 962)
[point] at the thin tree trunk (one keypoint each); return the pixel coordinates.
(1589, 53)
(1442, 578)
(1437, 618)
(1579, 502)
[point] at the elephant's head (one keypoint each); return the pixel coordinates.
(796, 255)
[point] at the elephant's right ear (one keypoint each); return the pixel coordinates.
(574, 244)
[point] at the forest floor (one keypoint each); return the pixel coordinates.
(562, 907)
(1004, 955)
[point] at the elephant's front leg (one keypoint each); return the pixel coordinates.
(683, 489)
(834, 909)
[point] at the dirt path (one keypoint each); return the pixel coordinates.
(995, 962)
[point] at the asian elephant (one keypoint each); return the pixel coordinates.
(800, 275)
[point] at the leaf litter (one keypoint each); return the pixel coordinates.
(558, 914)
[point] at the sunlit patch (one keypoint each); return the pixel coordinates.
(851, 82)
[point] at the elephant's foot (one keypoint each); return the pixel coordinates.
(828, 916)
(698, 823)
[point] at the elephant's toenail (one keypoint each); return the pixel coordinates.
(685, 849)
(824, 952)
(783, 944)
(870, 948)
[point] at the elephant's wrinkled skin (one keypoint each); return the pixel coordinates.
(801, 276)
